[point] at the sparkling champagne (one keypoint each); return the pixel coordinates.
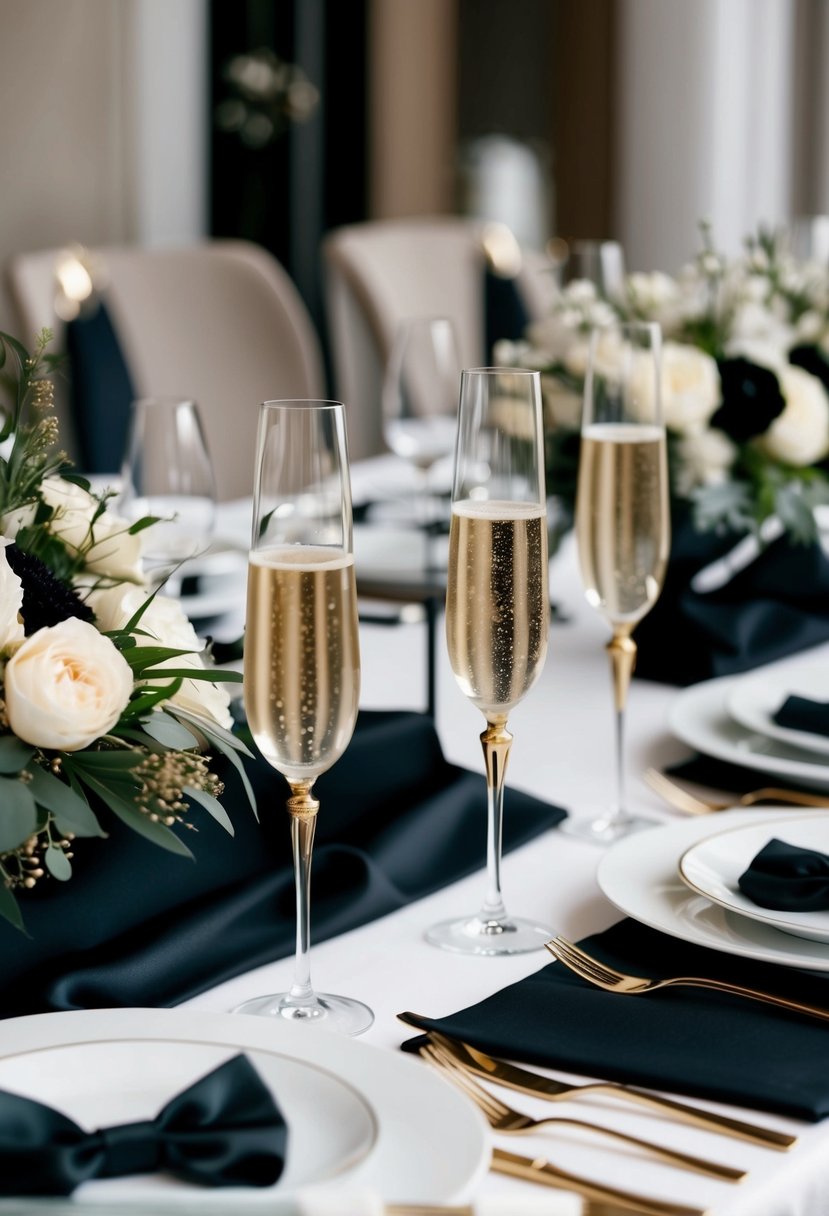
(497, 600)
(622, 518)
(302, 657)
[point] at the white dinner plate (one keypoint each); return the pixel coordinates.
(640, 875)
(754, 700)
(699, 717)
(713, 866)
(387, 1127)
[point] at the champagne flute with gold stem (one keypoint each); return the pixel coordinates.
(497, 607)
(622, 517)
(302, 657)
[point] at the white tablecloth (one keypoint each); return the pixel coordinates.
(563, 753)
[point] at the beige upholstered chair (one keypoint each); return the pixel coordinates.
(220, 322)
(380, 274)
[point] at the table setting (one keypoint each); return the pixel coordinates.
(645, 1035)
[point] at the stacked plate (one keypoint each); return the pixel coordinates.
(682, 880)
(733, 719)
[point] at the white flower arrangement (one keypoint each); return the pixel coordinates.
(107, 696)
(745, 380)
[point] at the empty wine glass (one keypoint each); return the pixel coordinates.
(497, 607)
(420, 401)
(622, 516)
(167, 473)
(302, 652)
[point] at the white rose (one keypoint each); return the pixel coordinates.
(66, 686)
(11, 602)
(109, 548)
(165, 622)
(759, 351)
(704, 458)
(800, 435)
(690, 387)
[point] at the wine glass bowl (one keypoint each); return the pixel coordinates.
(622, 516)
(497, 607)
(302, 655)
(167, 473)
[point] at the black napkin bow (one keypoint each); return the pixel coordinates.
(224, 1130)
(788, 878)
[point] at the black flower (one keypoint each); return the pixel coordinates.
(46, 599)
(751, 399)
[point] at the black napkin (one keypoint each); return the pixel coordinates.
(787, 877)
(684, 1040)
(802, 713)
(101, 390)
(777, 605)
(505, 313)
(223, 1130)
(139, 926)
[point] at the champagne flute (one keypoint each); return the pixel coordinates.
(420, 389)
(167, 472)
(302, 655)
(497, 606)
(622, 516)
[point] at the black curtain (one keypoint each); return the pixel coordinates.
(273, 179)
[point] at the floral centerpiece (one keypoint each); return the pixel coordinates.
(745, 372)
(107, 698)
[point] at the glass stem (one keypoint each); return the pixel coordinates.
(496, 742)
(622, 651)
(303, 808)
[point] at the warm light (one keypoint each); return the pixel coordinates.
(503, 253)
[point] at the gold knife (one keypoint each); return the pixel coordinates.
(537, 1169)
(527, 1082)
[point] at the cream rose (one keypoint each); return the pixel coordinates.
(165, 622)
(562, 407)
(11, 602)
(690, 387)
(66, 686)
(109, 548)
(800, 435)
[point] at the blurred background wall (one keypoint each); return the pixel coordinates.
(158, 122)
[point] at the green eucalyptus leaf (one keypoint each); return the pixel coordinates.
(14, 754)
(71, 811)
(212, 675)
(115, 761)
(10, 909)
(57, 863)
(212, 806)
(129, 814)
(18, 814)
(167, 730)
(218, 737)
(146, 521)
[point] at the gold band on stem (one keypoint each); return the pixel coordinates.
(622, 651)
(496, 741)
(302, 804)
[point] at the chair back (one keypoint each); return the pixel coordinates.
(219, 322)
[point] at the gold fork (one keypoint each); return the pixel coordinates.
(603, 976)
(684, 800)
(504, 1118)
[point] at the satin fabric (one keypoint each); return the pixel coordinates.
(683, 1040)
(776, 606)
(139, 926)
(788, 878)
(802, 713)
(224, 1130)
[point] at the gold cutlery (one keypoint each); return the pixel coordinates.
(504, 1118)
(527, 1082)
(590, 969)
(537, 1169)
(683, 800)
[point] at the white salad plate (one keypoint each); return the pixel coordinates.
(713, 866)
(754, 700)
(640, 875)
(357, 1115)
(700, 717)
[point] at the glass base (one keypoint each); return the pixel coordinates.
(473, 935)
(606, 829)
(338, 1013)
